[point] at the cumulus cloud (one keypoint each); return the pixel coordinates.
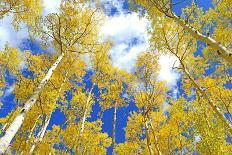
(130, 36)
(9, 35)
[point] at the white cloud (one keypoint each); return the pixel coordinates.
(166, 72)
(51, 6)
(130, 36)
(9, 35)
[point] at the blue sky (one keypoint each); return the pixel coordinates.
(128, 31)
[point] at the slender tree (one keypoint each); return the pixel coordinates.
(166, 7)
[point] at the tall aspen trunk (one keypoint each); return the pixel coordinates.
(151, 152)
(41, 134)
(19, 119)
(86, 110)
(47, 121)
(31, 132)
(221, 50)
(156, 139)
(215, 108)
(114, 128)
(83, 120)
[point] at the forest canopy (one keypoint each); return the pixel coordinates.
(115, 77)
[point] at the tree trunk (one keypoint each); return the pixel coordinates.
(86, 110)
(221, 50)
(114, 128)
(19, 119)
(215, 108)
(47, 121)
(41, 134)
(31, 132)
(156, 140)
(83, 120)
(151, 152)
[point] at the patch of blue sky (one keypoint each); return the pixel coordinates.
(115, 7)
(228, 85)
(57, 118)
(201, 3)
(8, 95)
(33, 46)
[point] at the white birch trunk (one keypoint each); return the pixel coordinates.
(151, 152)
(41, 134)
(47, 121)
(156, 139)
(86, 110)
(221, 50)
(19, 119)
(45, 128)
(31, 132)
(114, 128)
(215, 108)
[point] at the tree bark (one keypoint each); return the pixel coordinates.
(10, 116)
(221, 50)
(151, 152)
(19, 119)
(31, 132)
(114, 128)
(215, 108)
(47, 121)
(86, 110)
(4, 127)
(41, 134)
(156, 140)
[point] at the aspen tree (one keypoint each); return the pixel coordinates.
(67, 39)
(96, 145)
(182, 56)
(166, 8)
(110, 81)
